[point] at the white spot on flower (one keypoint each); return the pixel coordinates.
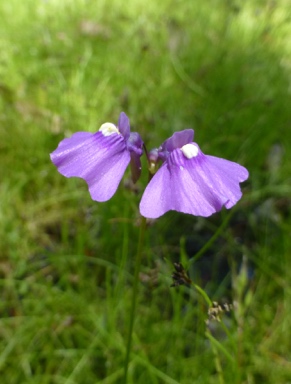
(181, 167)
(108, 129)
(190, 150)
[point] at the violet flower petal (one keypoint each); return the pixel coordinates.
(199, 186)
(228, 175)
(123, 125)
(99, 160)
(178, 139)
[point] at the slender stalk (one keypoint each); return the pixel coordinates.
(213, 238)
(203, 294)
(134, 295)
(214, 343)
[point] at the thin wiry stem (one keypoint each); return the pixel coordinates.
(134, 295)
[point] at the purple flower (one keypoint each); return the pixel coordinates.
(100, 158)
(189, 181)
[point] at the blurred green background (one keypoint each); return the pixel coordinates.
(221, 67)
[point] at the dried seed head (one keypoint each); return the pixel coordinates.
(180, 276)
(216, 311)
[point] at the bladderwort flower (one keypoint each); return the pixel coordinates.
(189, 181)
(101, 158)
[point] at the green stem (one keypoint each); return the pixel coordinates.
(134, 295)
(213, 238)
(203, 294)
(214, 343)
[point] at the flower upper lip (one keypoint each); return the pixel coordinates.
(177, 140)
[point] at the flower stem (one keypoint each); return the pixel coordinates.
(134, 295)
